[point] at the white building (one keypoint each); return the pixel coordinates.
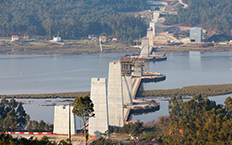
(14, 38)
(57, 39)
(196, 34)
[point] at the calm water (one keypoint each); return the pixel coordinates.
(23, 74)
(193, 68)
(20, 74)
(164, 108)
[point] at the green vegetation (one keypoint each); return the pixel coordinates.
(197, 121)
(130, 128)
(9, 140)
(14, 118)
(72, 19)
(12, 115)
(205, 90)
(83, 107)
(34, 126)
(210, 14)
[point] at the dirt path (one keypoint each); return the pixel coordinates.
(185, 5)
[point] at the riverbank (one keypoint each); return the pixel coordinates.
(66, 47)
(87, 46)
(196, 47)
(204, 90)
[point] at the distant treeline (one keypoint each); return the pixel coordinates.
(71, 18)
(204, 90)
(211, 14)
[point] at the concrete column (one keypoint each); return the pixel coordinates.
(152, 25)
(61, 120)
(150, 36)
(156, 16)
(99, 123)
(115, 95)
(127, 89)
(145, 48)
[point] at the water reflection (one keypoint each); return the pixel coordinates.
(194, 56)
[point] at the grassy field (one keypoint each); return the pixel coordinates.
(205, 90)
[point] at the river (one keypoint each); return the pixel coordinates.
(25, 74)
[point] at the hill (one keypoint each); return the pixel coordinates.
(71, 18)
(210, 14)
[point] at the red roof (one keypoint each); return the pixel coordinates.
(103, 37)
(15, 36)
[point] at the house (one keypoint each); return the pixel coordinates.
(103, 39)
(57, 39)
(92, 36)
(14, 38)
(114, 39)
(26, 37)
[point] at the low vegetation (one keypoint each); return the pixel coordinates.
(9, 140)
(205, 90)
(200, 47)
(52, 95)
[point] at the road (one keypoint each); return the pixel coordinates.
(185, 5)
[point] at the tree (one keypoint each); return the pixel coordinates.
(200, 121)
(228, 106)
(83, 107)
(21, 115)
(12, 114)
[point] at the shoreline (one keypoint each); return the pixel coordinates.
(92, 47)
(204, 90)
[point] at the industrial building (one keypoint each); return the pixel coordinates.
(196, 34)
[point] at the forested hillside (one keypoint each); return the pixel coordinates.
(211, 14)
(71, 18)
